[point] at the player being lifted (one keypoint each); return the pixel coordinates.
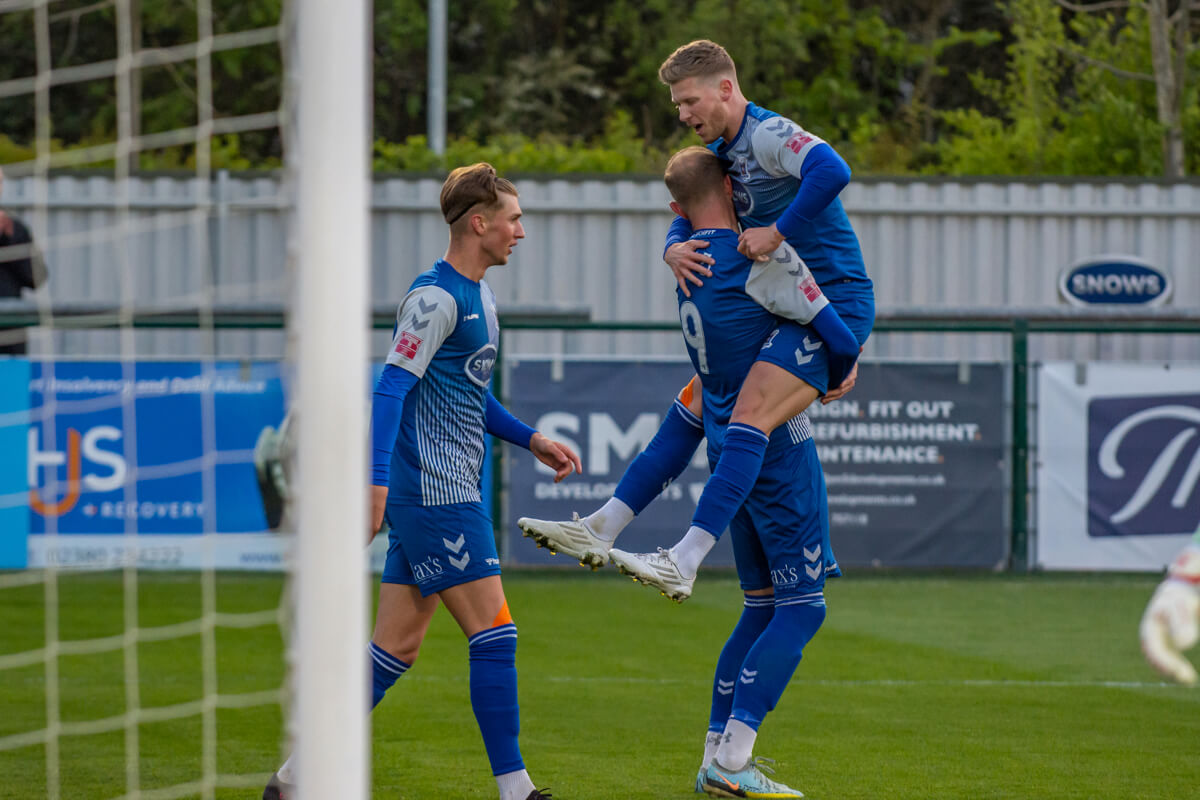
(1171, 623)
(431, 411)
(785, 187)
(780, 532)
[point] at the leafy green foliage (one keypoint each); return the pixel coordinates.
(1001, 87)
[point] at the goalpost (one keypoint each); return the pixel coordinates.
(116, 244)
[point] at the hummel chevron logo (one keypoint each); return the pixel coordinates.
(807, 350)
(812, 572)
(460, 563)
(415, 323)
(724, 687)
(812, 555)
(455, 546)
(748, 676)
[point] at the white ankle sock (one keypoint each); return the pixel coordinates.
(711, 742)
(691, 550)
(737, 745)
(609, 520)
(514, 785)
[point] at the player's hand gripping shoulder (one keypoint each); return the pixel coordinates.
(759, 243)
(555, 455)
(687, 263)
(1171, 623)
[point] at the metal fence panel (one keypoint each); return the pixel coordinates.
(597, 243)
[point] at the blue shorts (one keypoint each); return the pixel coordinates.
(781, 533)
(436, 547)
(792, 342)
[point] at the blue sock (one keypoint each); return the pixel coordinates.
(772, 660)
(385, 669)
(493, 654)
(755, 617)
(734, 476)
(663, 460)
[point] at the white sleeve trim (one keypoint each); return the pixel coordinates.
(780, 146)
(785, 286)
(425, 319)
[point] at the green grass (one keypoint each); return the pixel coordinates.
(916, 687)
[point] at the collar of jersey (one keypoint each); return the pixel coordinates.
(723, 146)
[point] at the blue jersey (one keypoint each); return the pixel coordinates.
(446, 334)
(764, 162)
(728, 320)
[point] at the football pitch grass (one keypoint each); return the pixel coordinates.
(916, 687)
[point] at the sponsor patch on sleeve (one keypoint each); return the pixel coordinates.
(797, 142)
(408, 344)
(810, 288)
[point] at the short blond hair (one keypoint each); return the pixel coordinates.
(467, 187)
(699, 59)
(692, 175)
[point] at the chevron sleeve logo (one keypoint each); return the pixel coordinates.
(807, 349)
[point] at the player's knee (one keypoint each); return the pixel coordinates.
(405, 648)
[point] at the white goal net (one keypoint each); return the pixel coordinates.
(183, 259)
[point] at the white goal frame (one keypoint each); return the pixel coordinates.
(330, 160)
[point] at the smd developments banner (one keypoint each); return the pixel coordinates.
(914, 459)
(161, 449)
(1118, 464)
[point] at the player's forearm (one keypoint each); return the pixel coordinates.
(387, 410)
(822, 177)
(842, 347)
(501, 423)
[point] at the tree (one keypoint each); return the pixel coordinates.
(1168, 28)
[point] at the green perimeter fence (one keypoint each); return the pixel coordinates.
(1018, 325)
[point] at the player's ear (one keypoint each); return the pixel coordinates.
(727, 184)
(678, 209)
(479, 224)
(725, 88)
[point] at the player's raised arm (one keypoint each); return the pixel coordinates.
(784, 148)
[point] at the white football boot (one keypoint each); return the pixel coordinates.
(574, 538)
(654, 569)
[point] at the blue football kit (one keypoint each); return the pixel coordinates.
(785, 176)
(443, 349)
(431, 411)
(781, 533)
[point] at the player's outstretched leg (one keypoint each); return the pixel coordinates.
(589, 538)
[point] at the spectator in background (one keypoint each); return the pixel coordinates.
(21, 267)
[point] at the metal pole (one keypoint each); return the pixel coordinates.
(1020, 447)
(332, 168)
(436, 117)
